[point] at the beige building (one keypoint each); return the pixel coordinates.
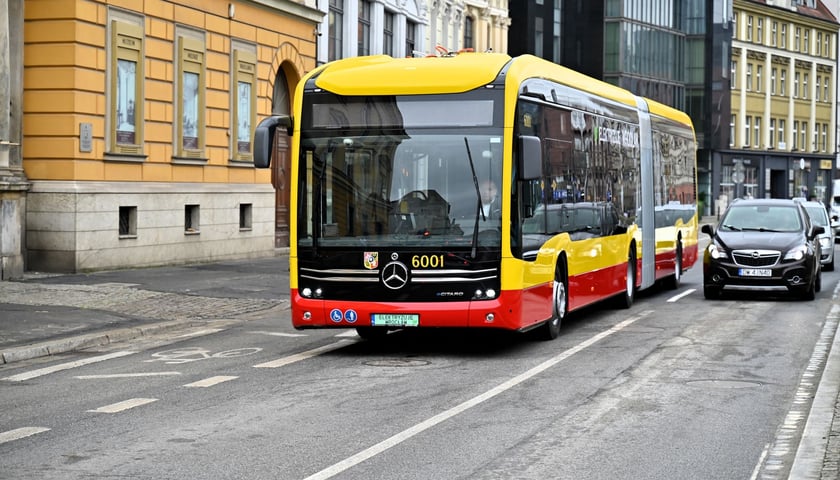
(783, 81)
(137, 125)
(479, 25)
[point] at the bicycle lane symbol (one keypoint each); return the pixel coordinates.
(193, 354)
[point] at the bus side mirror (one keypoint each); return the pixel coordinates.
(264, 138)
(530, 158)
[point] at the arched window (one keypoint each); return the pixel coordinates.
(469, 29)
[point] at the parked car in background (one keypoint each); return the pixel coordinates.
(763, 244)
(834, 216)
(819, 216)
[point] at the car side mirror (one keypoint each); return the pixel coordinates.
(817, 230)
(708, 229)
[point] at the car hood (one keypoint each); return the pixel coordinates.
(781, 241)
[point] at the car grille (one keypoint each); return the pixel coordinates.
(756, 258)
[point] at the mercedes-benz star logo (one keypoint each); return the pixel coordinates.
(395, 275)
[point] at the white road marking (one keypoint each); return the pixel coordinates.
(380, 447)
(64, 366)
(126, 375)
(278, 334)
(681, 295)
(197, 333)
(349, 333)
(209, 382)
(280, 362)
(19, 433)
(124, 405)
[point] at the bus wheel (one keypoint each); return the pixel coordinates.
(551, 328)
(675, 281)
(629, 295)
(372, 333)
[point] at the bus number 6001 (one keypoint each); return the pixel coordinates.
(427, 261)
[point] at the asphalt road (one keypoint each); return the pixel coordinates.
(675, 387)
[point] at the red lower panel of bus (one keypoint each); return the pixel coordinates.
(510, 311)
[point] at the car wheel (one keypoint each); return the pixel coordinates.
(710, 292)
(829, 267)
(629, 295)
(675, 280)
(551, 328)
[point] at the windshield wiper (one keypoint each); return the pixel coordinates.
(732, 227)
(478, 199)
(759, 229)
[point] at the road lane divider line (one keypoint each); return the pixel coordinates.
(281, 362)
(681, 295)
(277, 334)
(125, 375)
(384, 445)
(209, 382)
(64, 366)
(124, 405)
(19, 433)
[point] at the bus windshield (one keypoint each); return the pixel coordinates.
(417, 174)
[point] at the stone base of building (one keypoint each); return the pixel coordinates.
(12, 208)
(74, 226)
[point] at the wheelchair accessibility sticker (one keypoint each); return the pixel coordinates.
(350, 316)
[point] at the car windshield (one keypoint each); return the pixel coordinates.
(776, 218)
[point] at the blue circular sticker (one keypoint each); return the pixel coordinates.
(335, 315)
(351, 316)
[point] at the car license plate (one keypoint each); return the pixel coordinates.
(755, 272)
(394, 320)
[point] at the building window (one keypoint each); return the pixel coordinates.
(824, 137)
(732, 131)
(734, 76)
(388, 35)
(747, 127)
(795, 144)
(757, 139)
(782, 83)
(806, 39)
(805, 85)
(815, 145)
(797, 33)
(759, 31)
(782, 133)
(128, 222)
(192, 219)
(819, 44)
(774, 32)
(758, 71)
(336, 30)
(749, 77)
(468, 33)
(749, 28)
(826, 48)
(796, 85)
(804, 133)
(783, 43)
(190, 95)
(773, 81)
(771, 134)
(364, 28)
(735, 18)
(825, 89)
(244, 100)
(818, 89)
(245, 216)
(410, 38)
(125, 88)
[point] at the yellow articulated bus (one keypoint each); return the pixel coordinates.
(478, 190)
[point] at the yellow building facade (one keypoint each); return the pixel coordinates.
(138, 118)
(783, 81)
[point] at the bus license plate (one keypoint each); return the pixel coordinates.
(394, 320)
(755, 272)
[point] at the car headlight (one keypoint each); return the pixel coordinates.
(717, 252)
(825, 242)
(796, 253)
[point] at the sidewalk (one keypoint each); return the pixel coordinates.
(47, 314)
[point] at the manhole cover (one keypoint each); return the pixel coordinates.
(724, 383)
(396, 362)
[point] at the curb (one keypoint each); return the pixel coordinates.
(96, 339)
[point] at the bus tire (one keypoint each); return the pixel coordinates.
(372, 333)
(559, 303)
(626, 299)
(675, 280)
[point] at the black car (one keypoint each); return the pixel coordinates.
(762, 243)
